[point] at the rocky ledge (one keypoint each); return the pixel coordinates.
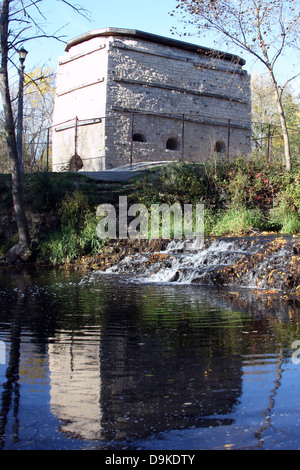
(268, 263)
(260, 262)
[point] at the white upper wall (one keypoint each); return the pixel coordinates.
(81, 82)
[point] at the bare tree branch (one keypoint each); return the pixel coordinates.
(262, 28)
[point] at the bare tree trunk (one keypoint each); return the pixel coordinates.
(22, 249)
(278, 94)
(286, 140)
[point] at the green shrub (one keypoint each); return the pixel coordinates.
(286, 211)
(61, 247)
(210, 220)
(46, 190)
(77, 235)
(68, 244)
(290, 223)
(181, 182)
(88, 240)
(238, 189)
(73, 210)
(238, 222)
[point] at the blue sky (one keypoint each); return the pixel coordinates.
(152, 16)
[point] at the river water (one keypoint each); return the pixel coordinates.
(104, 361)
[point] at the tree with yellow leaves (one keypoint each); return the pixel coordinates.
(39, 93)
(265, 119)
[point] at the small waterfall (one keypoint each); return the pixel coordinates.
(255, 262)
(183, 261)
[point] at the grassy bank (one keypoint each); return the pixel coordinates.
(240, 197)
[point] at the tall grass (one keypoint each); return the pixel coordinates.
(77, 234)
(238, 222)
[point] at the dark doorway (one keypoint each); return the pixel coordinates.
(220, 147)
(172, 144)
(76, 163)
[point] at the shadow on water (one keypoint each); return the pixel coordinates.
(97, 361)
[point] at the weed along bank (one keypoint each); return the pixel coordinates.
(126, 96)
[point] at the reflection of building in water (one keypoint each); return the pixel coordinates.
(75, 384)
(130, 383)
(149, 389)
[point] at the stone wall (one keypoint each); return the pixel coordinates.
(156, 102)
(166, 93)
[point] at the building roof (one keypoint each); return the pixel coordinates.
(156, 39)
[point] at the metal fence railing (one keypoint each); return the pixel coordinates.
(266, 138)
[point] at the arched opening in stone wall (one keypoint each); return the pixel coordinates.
(172, 144)
(138, 137)
(76, 163)
(220, 147)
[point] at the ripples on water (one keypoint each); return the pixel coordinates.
(97, 361)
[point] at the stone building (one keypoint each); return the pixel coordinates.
(126, 96)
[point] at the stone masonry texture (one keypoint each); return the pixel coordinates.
(125, 96)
